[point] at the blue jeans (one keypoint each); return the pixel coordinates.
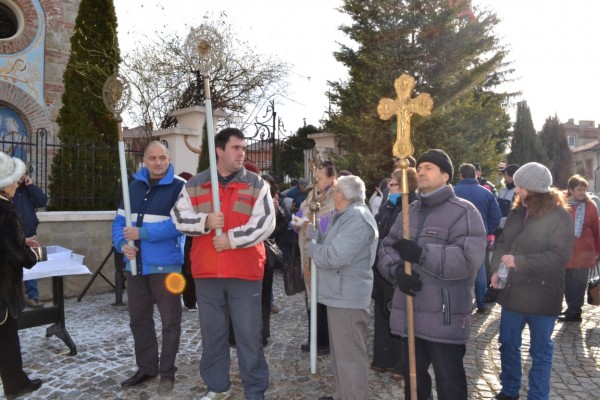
(31, 288)
(480, 286)
(541, 349)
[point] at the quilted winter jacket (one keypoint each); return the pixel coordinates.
(160, 249)
(452, 235)
(249, 214)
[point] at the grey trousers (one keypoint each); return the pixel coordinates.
(348, 352)
(142, 292)
(220, 300)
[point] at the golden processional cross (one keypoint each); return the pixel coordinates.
(404, 107)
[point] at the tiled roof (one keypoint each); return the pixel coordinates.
(588, 146)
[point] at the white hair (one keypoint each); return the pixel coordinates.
(351, 187)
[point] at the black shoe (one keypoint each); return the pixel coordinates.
(570, 318)
(31, 386)
(166, 384)
(481, 310)
(502, 396)
(326, 398)
(136, 379)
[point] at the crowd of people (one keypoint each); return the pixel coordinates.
(445, 258)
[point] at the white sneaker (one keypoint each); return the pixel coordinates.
(216, 396)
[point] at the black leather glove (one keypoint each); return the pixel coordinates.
(408, 284)
(409, 250)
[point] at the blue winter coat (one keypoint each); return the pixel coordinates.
(159, 245)
(485, 202)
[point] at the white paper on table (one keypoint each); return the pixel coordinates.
(48, 269)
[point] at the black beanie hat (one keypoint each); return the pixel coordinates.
(439, 158)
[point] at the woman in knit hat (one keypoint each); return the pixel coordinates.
(535, 246)
(14, 255)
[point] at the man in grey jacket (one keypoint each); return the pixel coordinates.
(344, 256)
(446, 248)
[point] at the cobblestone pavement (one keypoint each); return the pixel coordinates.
(105, 357)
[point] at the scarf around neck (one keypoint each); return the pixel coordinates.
(579, 215)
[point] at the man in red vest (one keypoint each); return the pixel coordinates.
(228, 269)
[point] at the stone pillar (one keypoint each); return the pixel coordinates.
(190, 123)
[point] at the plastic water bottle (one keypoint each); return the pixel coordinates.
(502, 275)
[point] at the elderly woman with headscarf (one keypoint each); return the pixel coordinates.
(14, 255)
(535, 246)
(344, 256)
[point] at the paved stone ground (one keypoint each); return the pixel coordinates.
(105, 357)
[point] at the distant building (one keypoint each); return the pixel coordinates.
(580, 134)
(584, 141)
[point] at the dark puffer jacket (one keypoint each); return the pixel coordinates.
(541, 246)
(14, 256)
(451, 233)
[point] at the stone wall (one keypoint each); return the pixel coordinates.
(87, 233)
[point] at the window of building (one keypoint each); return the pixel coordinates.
(9, 20)
(571, 140)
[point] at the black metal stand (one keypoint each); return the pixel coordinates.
(54, 315)
(119, 278)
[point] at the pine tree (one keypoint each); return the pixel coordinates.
(455, 59)
(524, 143)
(556, 151)
(87, 128)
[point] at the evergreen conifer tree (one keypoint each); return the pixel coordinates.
(87, 128)
(453, 56)
(556, 152)
(524, 143)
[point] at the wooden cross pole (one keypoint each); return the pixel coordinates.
(404, 107)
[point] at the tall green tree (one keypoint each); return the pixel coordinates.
(555, 151)
(84, 175)
(524, 145)
(454, 58)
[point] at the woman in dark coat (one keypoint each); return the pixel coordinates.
(535, 245)
(14, 255)
(387, 348)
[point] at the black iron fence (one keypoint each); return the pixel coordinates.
(265, 144)
(88, 173)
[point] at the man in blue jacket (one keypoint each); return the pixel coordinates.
(157, 251)
(28, 198)
(469, 189)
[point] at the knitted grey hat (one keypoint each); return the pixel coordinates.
(533, 177)
(11, 170)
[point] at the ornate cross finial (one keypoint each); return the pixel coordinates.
(404, 107)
